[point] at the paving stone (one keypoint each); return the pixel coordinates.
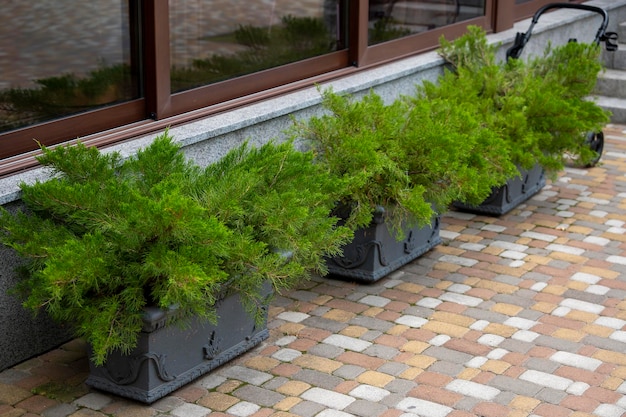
(328, 398)
(59, 410)
(348, 343)
(575, 360)
(423, 408)
(473, 389)
(243, 409)
(258, 395)
(365, 408)
(546, 379)
(369, 393)
(190, 410)
(244, 374)
(318, 379)
(94, 401)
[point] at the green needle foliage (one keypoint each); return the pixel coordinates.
(106, 237)
(413, 156)
(539, 106)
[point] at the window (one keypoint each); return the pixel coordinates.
(108, 70)
(392, 19)
(64, 58)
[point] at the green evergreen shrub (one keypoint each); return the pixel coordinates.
(106, 237)
(413, 156)
(539, 106)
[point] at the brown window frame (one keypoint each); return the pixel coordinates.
(159, 108)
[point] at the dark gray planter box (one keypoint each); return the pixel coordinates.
(375, 251)
(517, 190)
(168, 357)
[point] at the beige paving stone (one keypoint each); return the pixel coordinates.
(397, 330)
(372, 311)
(583, 316)
(452, 318)
(293, 388)
(218, 401)
(287, 403)
(374, 378)
(11, 395)
(496, 366)
(554, 289)
(339, 315)
(577, 285)
(447, 267)
(414, 346)
(410, 287)
(136, 410)
(568, 257)
(354, 331)
(597, 330)
(262, 363)
(291, 328)
(322, 299)
(229, 386)
(317, 363)
(411, 373)
(569, 334)
(445, 328)
(601, 272)
(420, 361)
(500, 329)
(468, 374)
(507, 309)
(544, 307)
(612, 383)
(537, 259)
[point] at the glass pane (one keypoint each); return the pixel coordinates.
(392, 19)
(214, 40)
(62, 57)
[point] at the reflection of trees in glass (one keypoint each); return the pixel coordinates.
(65, 94)
(386, 29)
(297, 38)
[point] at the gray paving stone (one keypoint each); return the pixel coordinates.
(190, 410)
(446, 368)
(59, 410)
(318, 379)
(557, 343)
(240, 373)
(505, 383)
(363, 408)
(326, 351)
(307, 409)
(540, 364)
(380, 351)
(371, 323)
(400, 386)
(258, 395)
(448, 355)
(550, 395)
(325, 324)
(393, 368)
(349, 371)
(93, 400)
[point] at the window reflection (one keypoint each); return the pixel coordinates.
(392, 19)
(214, 40)
(62, 57)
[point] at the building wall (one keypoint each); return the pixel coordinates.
(208, 139)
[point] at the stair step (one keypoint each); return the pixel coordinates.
(611, 83)
(621, 32)
(616, 59)
(617, 106)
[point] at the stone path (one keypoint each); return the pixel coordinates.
(522, 315)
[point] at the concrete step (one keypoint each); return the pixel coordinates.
(615, 59)
(611, 83)
(617, 106)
